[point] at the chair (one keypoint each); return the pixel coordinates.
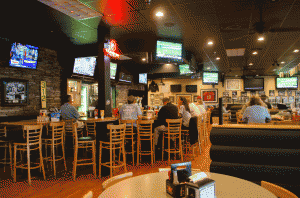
(144, 128)
(129, 135)
(90, 127)
(68, 129)
(32, 142)
(115, 179)
(116, 143)
(5, 143)
(206, 127)
(185, 141)
(277, 190)
(201, 128)
(54, 140)
(174, 132)
(84, 143)
(226, 118)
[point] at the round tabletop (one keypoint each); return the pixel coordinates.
(154, 185)
(107, 119)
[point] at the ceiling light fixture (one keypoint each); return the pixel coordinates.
(296, 50)
(250, 63)
(261, 38)
(208, 68)
(282, 62)
(159, 14)
(210, 43)
(143, 59)
(254, 53)
(218, 58)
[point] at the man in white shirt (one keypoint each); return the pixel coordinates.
(130, 111)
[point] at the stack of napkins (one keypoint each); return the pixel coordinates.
(197, 177)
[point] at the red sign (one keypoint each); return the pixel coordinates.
(209, 96)
(111, 49)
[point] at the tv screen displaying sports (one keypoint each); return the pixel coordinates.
(14, 92)
(85, 66)
(287, 83)
(175, 88)
(143, 78)
(24, 56)
(191, 88)
(169, 50)
(210, 78)
(253, 84)
(113, 70)
(185, 69)
(125, 77)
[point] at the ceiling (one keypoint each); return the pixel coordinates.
(229, 24)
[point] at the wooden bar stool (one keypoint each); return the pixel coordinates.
(32, 142)
(174, 132)
(90, 127)
(207, 127)
(144, 128)
(54, 140)
(84, 143)
(5, 143)
(277, 190)
(129, 135)
(116, 143)
(185, 141)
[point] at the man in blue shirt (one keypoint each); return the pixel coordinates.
(130, 111)
(255, 112)
(68, 111)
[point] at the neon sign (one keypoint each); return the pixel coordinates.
(110, 49)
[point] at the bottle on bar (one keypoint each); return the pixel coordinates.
(175, 177)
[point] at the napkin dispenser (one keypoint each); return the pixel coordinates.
(175, 185)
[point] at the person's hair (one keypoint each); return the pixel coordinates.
(185, 103)
(167, 100)
(255, 101)
(263, 97)
(67, 98)
(130, 99)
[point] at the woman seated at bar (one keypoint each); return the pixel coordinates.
(256, 112)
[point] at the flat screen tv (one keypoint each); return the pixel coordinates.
(254, 84)
(125, 77)
(210, 78)
(113, 70)
(185, 69)
(85, 66)
(191, 88)
(24, 56)
(143, 78)
(168, 50)
(287, 83)
(14, 92)
(175, 88)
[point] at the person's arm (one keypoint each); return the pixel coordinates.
(181, 110)
(268, 115)
(245, 115)
(74, 112)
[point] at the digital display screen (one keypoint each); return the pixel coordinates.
(24, 56)
(85, 66)
(252, 84)
(291, 82)
(210, 78)
(143, 78)
(185, 69)
(169, 50)
(15, 92)
(113, 70)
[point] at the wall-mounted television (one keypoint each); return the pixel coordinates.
(191, 88)
(185, 69)
(254, 84)
(210, 78)
(287, 83)
(113, 70)
(85, 66)
(169, 50)
(24, 56)
(175, 88)
(143, 78)
(125, 77)
(14, 92)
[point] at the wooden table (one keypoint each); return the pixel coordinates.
(107, 119)
(154, 185)
(25, 122)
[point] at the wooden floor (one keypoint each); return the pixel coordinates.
(64, 186)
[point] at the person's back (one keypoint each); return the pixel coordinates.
(68, 111)
(256, 113)
(130, 111)
(168, 111)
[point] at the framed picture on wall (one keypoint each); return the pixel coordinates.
(271, 92)
(161, 96)
(171, 98)
(243, 93)
(195, 98)
(209, 95)
(232, 84)
(278, 99)
(291, 99)
(252, 93)
(289, 92)
(151, 96)
(234, 94)
(187, 96)
(226, 94)
(297, 93)
(281, 93)
(260, 93)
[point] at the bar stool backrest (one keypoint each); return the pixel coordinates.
(69, 124)
(2, 131)
(33, 134)
(117, 133)
(90, 127)
(129, 125)
(144, 127)
(58, 129)
(174, 126)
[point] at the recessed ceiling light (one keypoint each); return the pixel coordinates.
(143, 59)
(250, 63)
(255, 52)
(256, 74)
(218, 58)
(159, 14)
(261, 38)
(282, 62)
(210, 43)
(296, 50)
(236, 75)
(208, 67)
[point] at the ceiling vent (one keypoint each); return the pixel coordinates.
(235, 52)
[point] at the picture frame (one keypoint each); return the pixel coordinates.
(161, 96)
(171, 98)
(243, 93)
(232, 84)
(187, 96)
(297, 93)
(281, 92)
(289, 92)
(209, 95)
(252, 93)
(152, 96)
(195, 98)
(271, 92)
(260, 93)
(234, 94)
(278, 99)
(226, 94)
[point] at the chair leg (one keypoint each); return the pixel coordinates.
(180, 148)
(110, 161)
(169, 149)
(138, 152)
(100, 154)
(42, 163)
(10, 153)
(132, 149)
(75, 162)
(63, 152)
(28, 164)
(163, 147)
(151, 146)
(15, 162)
(53, 158)
(5, 156)
(124, 158)
(94, 159)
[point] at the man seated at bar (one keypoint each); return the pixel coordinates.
(68, 111)
(264, 99)
(130, 111)
(256, 112)
(168, 111)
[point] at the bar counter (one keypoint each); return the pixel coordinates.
(276, 125)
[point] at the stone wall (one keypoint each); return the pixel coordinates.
(122, 92)
(49, 70)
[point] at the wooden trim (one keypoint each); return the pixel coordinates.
(257, 126)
